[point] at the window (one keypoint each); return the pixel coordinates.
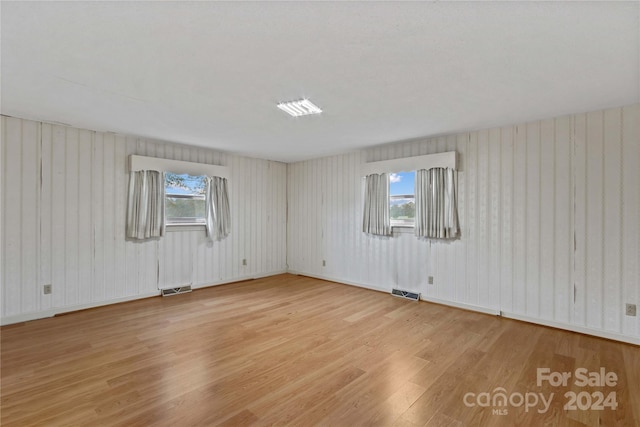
(184, 199)
(402, 207)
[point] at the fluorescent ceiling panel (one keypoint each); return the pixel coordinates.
(303, 107)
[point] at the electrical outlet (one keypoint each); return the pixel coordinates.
(244, 261)
(630, 309)
(324, 263)
(46, 289)
(431, 280)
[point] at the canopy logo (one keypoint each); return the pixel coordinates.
(500, 401)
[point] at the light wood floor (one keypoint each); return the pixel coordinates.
(291, 350)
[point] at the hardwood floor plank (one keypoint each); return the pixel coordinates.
(292, 350)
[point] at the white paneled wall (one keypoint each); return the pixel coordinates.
(550, 215)
(64, 203)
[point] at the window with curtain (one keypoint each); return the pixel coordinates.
(145, 205)
(376, 218)
(166, 193)
(436, 204)
(198, 200)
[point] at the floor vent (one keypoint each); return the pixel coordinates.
(405, 294)
(175, 291)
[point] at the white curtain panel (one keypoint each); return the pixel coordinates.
(218, 220)
(145, 207)
(436, 204)
(376, 205)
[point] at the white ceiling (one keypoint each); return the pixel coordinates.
(210, 74)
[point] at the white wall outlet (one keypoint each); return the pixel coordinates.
(244, 261)
(430, 280)
(46, 289)
(630, 309)
(324, 263)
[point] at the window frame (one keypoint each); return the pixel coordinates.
(182, 222)
(448, 159)
(137, 162)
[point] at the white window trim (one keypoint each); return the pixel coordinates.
(185, 227)
(405, 164)
(137, 163)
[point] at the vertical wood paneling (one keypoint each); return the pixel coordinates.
(612, 221)
(67, 193)
(12, 200)
(483, 241)
(506, 223)
(547, 226)
(3, 189)
(472, 215)
(520, 221)
(119, 213)
(595, 218)
(46, 191)
(58, 217)
(236, 230)
(98, 217)
(30, 230)
(71, 218)
(86, 244)
(459, 252)
(630, 208)
(461, 247)
(580, 233)
(525, 193)
(494, 198)
(532, 265)
(109, 226)
(563, 203)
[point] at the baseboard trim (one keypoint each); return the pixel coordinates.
(61, 310)
(559, 325)
(237, 279)
(573, 328)
(26, 317)
(336, 280)
(422, 297)
(461, 305)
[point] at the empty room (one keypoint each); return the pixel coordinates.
(320, 213)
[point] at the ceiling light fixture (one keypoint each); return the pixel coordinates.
(303, 107)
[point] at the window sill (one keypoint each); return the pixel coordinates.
(408, 229)
(184, 227)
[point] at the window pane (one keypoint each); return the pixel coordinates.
(179, 208)
(402, 207)
(184, 184)
(185, 200)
